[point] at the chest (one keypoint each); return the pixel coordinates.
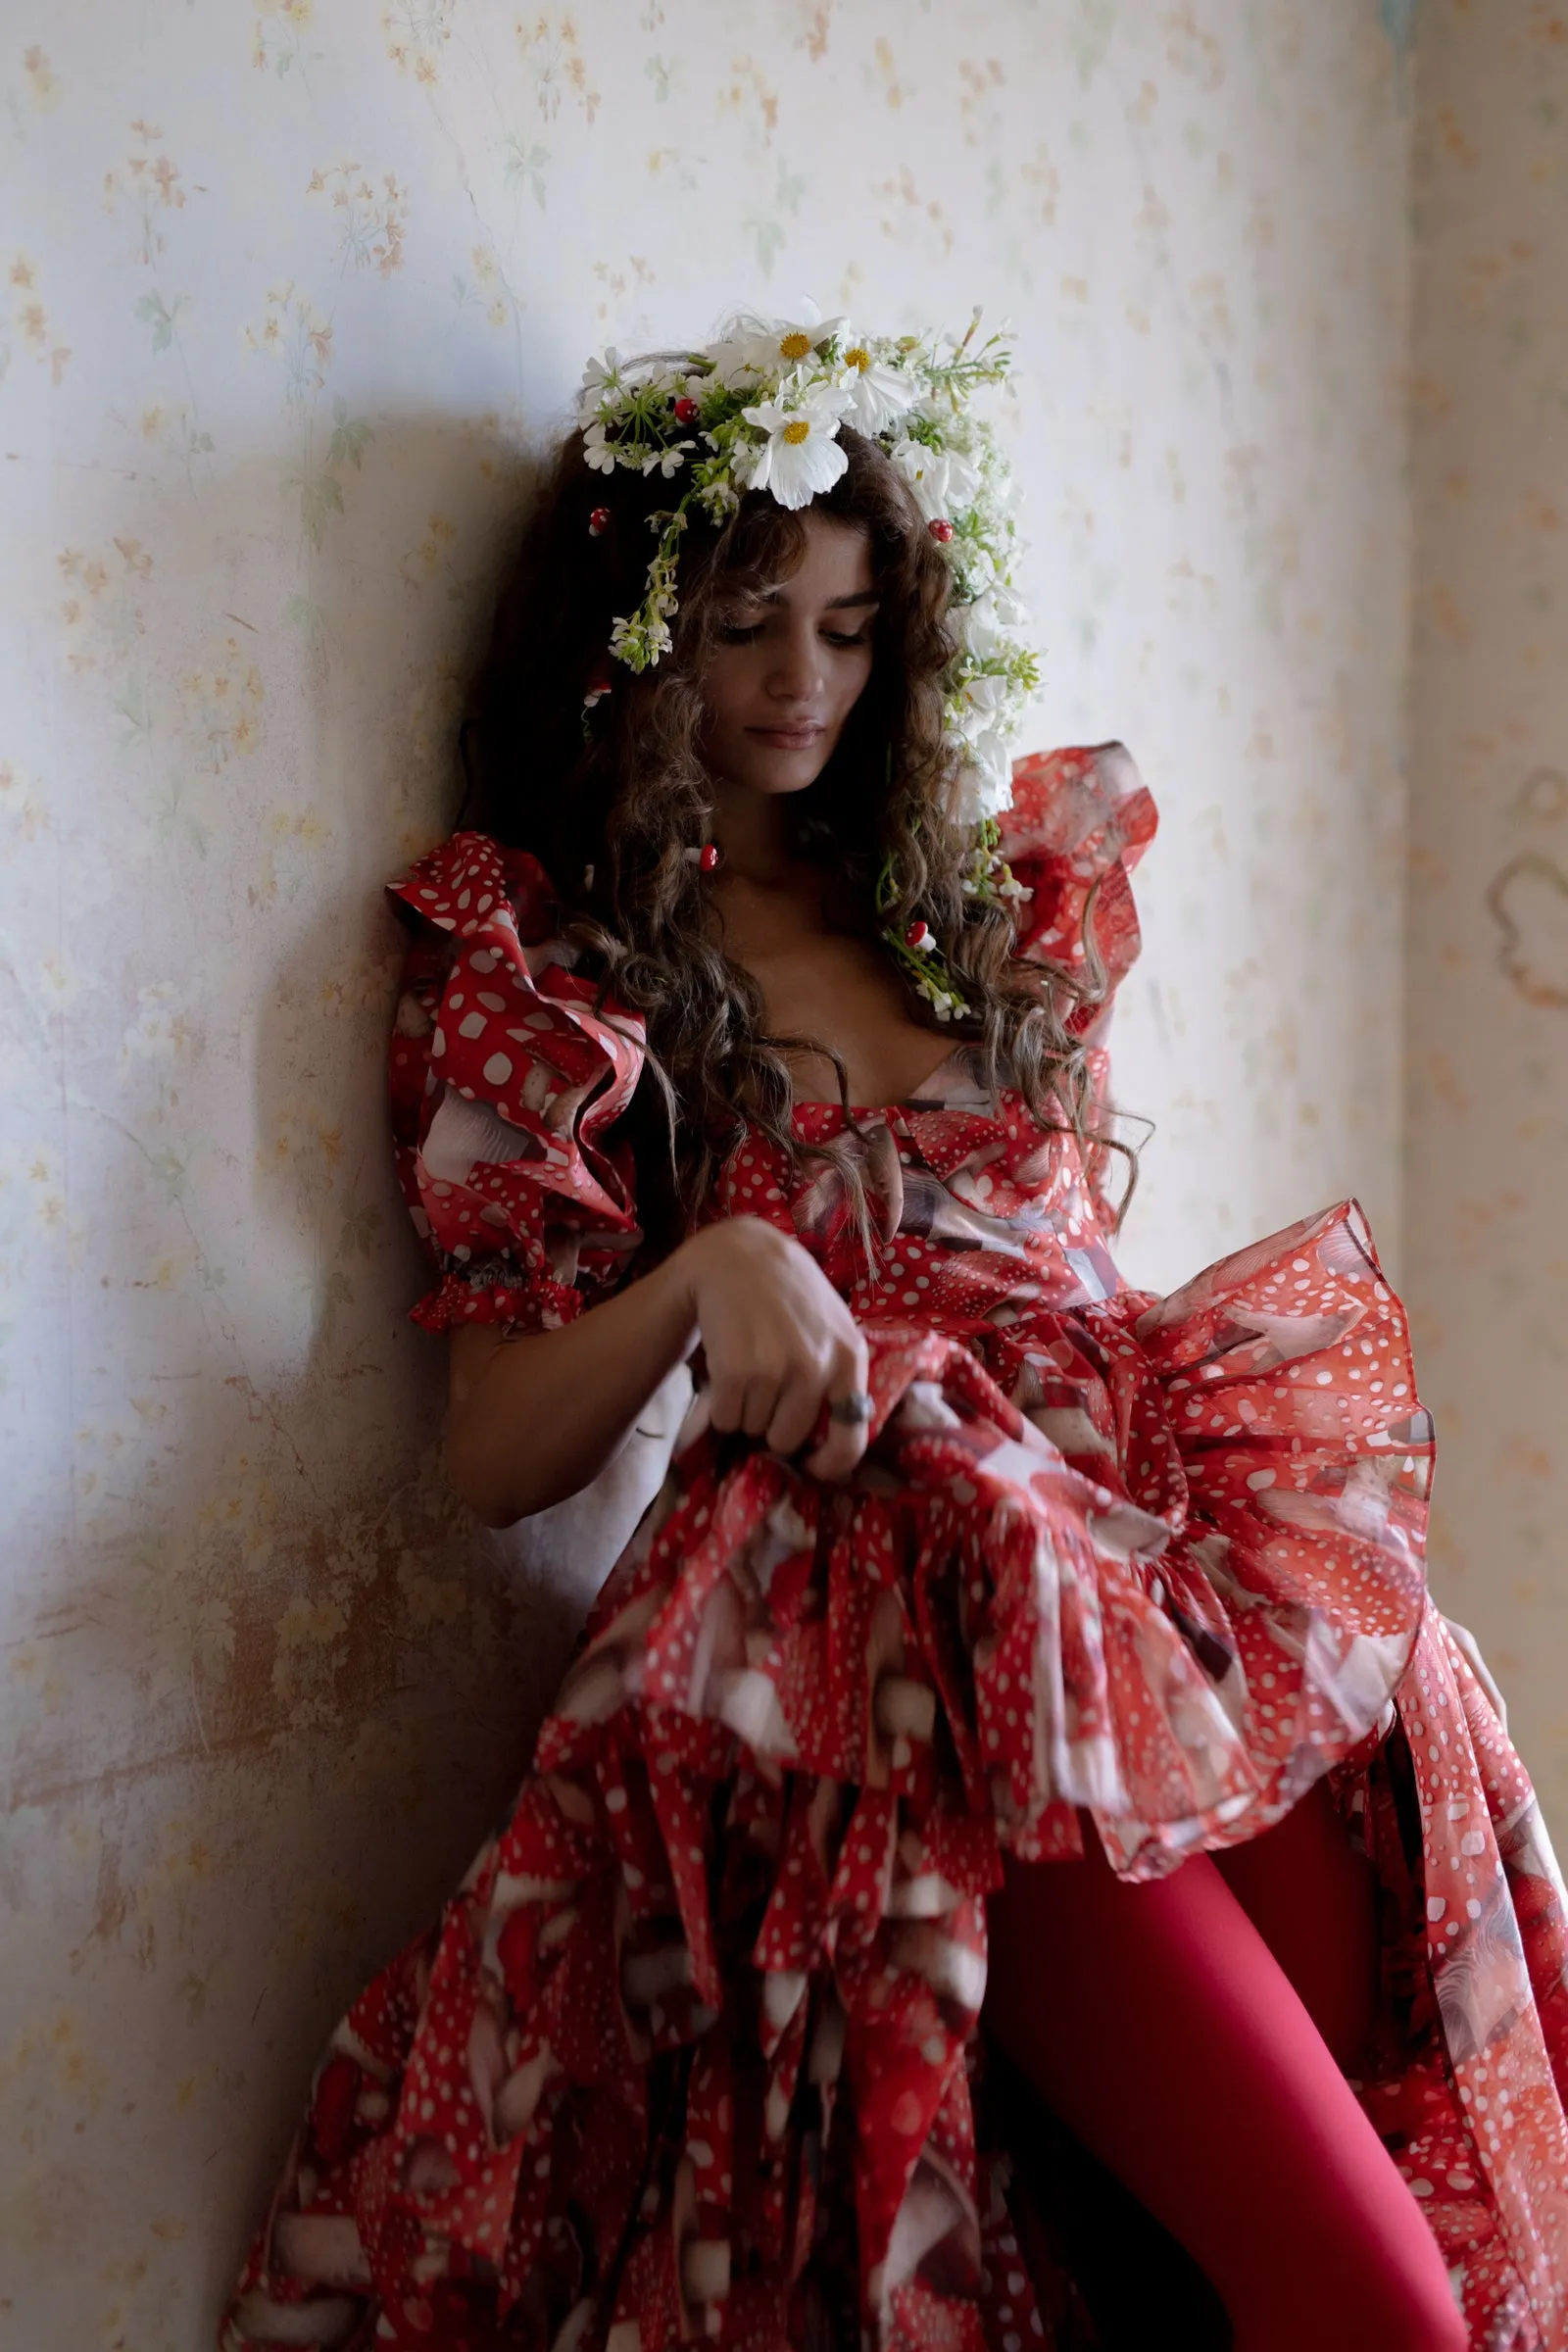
(844, 993)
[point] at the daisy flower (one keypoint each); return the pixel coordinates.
(800, 457)
(879, 395)
(774, 347)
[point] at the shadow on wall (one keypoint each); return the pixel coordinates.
(286, 1685)
(452, 1642)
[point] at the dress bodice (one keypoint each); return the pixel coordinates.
(975, 1217)
(510, 1080)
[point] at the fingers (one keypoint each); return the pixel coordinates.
(783, 1406)
(746, 1399)
(842, 1449)
(799, 1402)
(780, 1345)
(838, 1371)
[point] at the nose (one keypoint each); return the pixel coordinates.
(795, 674)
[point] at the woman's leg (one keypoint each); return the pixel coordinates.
(1158, 2024)
(1314, 1899)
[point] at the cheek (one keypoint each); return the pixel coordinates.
(857, 677)
(726, 689)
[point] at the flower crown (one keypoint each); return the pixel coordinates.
(762, 409)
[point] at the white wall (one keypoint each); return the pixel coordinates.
(1488, 1061)
(287, 301)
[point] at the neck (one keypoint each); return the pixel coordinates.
(752, 830)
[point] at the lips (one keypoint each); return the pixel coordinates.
(788, 739)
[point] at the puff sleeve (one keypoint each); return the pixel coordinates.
(1079, 822)
(505, 1086)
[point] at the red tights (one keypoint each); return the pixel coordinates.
(1191, 2032)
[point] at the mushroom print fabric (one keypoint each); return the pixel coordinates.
(692, 2052)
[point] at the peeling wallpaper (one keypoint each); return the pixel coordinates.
(291, 298)
(1488, 1043)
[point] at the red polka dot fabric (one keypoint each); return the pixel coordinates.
(692, 2053)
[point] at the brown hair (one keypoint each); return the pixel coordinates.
(610, 807)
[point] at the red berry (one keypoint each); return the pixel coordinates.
(710, 856)
(917, 935)
(686, 412)
(940, 529)
(599, 523)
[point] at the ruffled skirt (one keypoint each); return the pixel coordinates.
(692, 2051)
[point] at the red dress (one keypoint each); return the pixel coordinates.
(691, 2050)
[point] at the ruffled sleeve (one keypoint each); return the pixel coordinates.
(1080, 821)
(505, 1084)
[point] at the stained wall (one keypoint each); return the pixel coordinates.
(291, 300)
(1488, 990)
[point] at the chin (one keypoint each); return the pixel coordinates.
(775, 772)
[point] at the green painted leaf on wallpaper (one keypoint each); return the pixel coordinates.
(361, 1226)
(154, 312)
(320, 495)
(135, 705)
(525, 164)
(307, 615)
(172, 820)
(170, 1171)
(1397, 17)
(1092, 37)
(349, 435)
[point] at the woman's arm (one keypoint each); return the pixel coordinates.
(535, 1419)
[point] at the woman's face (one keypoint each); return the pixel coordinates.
(790, 665)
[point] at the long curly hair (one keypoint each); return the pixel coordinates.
(610, 806)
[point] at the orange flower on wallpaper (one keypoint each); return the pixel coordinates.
(42, 82)
(149, 184)
(32, 319)
(371, 219)
(550, 49)
(416, 34)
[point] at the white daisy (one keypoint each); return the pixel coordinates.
(772, 347)
(879, 395)
(800, 457)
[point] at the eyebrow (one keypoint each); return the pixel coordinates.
(836, 603)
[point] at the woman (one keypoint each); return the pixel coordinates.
(986, 1602)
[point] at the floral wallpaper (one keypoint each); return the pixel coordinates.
(292, 298)
(1488, 1041)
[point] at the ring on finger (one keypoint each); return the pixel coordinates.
(853, 1410)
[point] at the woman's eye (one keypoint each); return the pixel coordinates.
(739, 632)
(839, 638)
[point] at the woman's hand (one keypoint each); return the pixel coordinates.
(535, 1419)
(779, 1342)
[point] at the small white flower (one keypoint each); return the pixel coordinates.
(669, 460)
(800, 457)
(983, 785)
(944, 482)
(979, 625)
(980, 703)
(599, 377)
(597, 450)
